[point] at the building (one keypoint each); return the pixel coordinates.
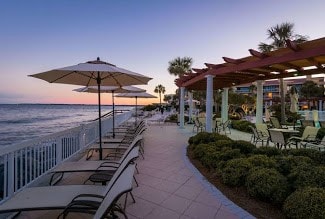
(271, 88)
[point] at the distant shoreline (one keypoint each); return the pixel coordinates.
(66, 104)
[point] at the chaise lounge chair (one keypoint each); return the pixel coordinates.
(90, 199)
(92, 166)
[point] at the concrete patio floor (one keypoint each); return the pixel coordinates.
(169, 185)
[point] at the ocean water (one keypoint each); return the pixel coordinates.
(21, 122)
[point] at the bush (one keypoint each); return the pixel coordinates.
(317, 156)
(307, 175)
(229, 153)
(267, 184)
(201, 150)
(268, 151)
(205, 137)
(242, 125)
(262, 161)
(235, 171)
(220, 144)
(285, 164)
(306, 203)
(244, 146)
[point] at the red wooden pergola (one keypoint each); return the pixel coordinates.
(295, 60)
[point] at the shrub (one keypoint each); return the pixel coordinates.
(317, 156)
(307, 175)
(306, 203)
(229, 153)
(210, 159)
(220, 144)
(242, 125)
(244, 146)
(235, 171)
(205, 137)
(201, 150)
(268, 151)
(285, 164)
(262, 161)
(267, 184)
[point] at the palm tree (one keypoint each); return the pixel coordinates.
(180, 66)
(160, 90)
(279, 34)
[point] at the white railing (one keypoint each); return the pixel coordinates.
(22, 164)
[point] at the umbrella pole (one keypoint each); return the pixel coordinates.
(113, 114)
(100, 119)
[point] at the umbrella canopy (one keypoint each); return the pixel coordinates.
(136, 96)
(110, 89)
(93, 73)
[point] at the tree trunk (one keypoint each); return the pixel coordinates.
(282, 100)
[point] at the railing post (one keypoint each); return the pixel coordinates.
(59, 151)
(11, 175)
(82, 140)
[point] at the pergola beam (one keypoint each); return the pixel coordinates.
(269, 61)
(232, 61)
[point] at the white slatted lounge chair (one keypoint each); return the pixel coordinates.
(59, 197)
(90, 166)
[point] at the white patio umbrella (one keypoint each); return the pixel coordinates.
(94, 73)
(110, 89)
(136, 96)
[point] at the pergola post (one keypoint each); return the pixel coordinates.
(320, 105)
(181, 108)
(209, 104)
(190, 103)
(224, 108)
(259, 102)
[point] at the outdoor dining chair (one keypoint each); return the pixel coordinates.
(224, 126)
(259, 136)
(315, 145)
(309, 135)
(276, 123)
(278, 139)
(306, 123)
(197, 125)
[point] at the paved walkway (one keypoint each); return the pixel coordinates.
(169, 185)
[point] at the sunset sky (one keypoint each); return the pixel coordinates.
(141, 36)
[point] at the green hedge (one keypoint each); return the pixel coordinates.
(306, 203)
(242, 125)
(267, 184)
(269, 174)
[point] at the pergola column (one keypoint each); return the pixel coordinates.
(181, 108)
(224, 107)
(209, 103)
(190, 103)
(320, 105)
(259, 102)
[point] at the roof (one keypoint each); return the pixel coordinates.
(295, 60)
